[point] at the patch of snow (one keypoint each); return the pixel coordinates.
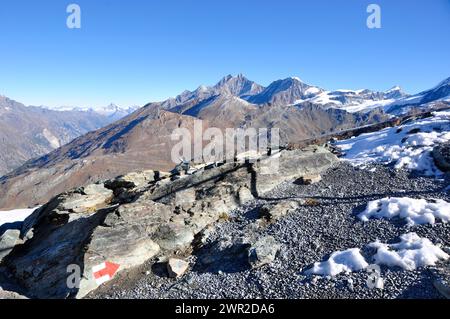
(297, 102)
(357, 103)
(340, 261)
(16, 215)
(407, 146)
(324, 98)
(415, 99)
(366, 105)
(202, 88)
(345, 91)
(414, 211)
(410, 253)
(312, 90)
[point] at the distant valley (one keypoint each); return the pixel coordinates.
(28, 132)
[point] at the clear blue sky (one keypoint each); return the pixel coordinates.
(136, 51)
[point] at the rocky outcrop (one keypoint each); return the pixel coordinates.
(291, 165)
(139, 216)
(134, 179)
(441, 155)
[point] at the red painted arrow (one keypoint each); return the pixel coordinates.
(110, 269)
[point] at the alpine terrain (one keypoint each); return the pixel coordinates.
(360, 181)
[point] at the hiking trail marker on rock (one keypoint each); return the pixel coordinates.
(104, 272)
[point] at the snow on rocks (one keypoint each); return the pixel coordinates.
(16, 215)
(414, 211)
(406, 146)
(410, 253)
(340, 261)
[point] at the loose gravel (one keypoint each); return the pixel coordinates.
(325, 223)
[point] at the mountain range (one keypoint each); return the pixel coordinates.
(142, 139)
(28, 131)
(112, 111)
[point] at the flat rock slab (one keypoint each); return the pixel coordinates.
(177, 267)
(292, 165)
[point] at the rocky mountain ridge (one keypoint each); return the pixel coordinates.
(142, 140)
(110, 221)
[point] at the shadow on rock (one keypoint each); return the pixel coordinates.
(224, 256)
(8, 226)
(159, 269)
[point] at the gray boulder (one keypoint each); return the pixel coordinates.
(134, 179)
(291, 165)
(177, 267)
(263, 251)
(174, 236)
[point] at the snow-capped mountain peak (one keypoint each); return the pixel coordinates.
(355, 100)
(238, 86)
(395, 92)
(393, 89)
(441, 92)
(285, 92)
(111, 110)
(293, 91)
